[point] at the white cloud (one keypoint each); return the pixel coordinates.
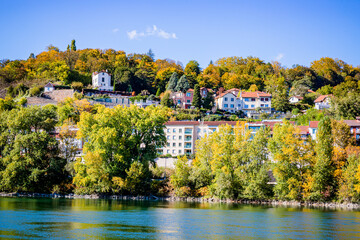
(279, 56)
(151, 31)
(115, 30)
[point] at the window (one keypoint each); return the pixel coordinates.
(232, 105)
(232, 99)
(179, 144)
(262, 105)
(103, 79)
(174, 137)
(266, 99)
(180, 130)
(173, 151)
(179, 101)
(168, 144)
(168, 137)
(188, 101)
(266, 105)
(225, 105)
(239, 105)
(174, 129)
(225, 99)
(262, 99)
(253, 99)
(188, 94)
(314, 130)
(252, 106)
(168, 151)
(174, 144)
(179, 151)
(168, 130)
(180, 137)
(246, 106)
(247, 99)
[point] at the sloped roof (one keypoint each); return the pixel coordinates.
(256, 94)
(313, 124)
(49, 84)
(352, 123)
(321, 98)
(303, 129)
(39, 101)
(298, 97)
(224, 93)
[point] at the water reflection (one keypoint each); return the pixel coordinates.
(114, 219)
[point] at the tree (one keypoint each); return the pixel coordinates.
(192, 70)
(78, 86)
(29, 152)
(279, 90)
(293, 159)
(120, 141)
(182, 84)
(322, 187)
(181, 177)
(158, 92)
(197, 97)
(73, 46)
(172, 82)
(166, 100)
(151, 54)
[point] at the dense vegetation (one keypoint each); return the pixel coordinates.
(231, 163)
(138, 72)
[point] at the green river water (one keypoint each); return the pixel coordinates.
(26, 218)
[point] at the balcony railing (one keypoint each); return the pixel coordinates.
(188, 138)
(187, 146)
(188, 131)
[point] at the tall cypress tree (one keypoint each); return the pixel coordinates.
(173, 82)
(73, 46)
(182, 85)
(197, 97)
(323, 179)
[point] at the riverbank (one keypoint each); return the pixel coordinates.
(334, 205)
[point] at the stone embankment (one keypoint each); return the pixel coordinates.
(189, 199)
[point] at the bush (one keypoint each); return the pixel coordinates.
(78, 86)
(35, 91)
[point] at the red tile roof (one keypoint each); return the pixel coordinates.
(210, 123)
(256, 94)
(223, 94)
(303, 130)
(313, 124)
(298, 97)
(352, 123)
(322, 98)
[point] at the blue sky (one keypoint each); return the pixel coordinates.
(292, 32)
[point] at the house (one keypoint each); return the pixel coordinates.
(49, 87)
(323, 102)
(145, 103)
(102, 81)
(227, 101)
(184, 100)
(253, 102)
(353, 124)
(295, 99)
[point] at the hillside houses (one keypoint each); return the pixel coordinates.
(323, 102)
(251, 103)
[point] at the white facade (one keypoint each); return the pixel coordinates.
(49, 87)
(248, 102)
(295, 99)
(228, 102)
(144, 104)
(102, 81)
(322, 102)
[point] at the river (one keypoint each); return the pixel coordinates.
(27, 218)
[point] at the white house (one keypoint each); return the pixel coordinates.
(295, 99)
(228, 101)
(102, 81)
(145, 103)
(323, 102)
(49, 87)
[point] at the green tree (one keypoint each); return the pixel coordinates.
(73, 46)
(322, 187)
(172, 82)
(197, 97)
(182, 84)
(181, 177)
(166, 100)
(116, 139)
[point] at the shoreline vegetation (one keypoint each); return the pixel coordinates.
(273, 203)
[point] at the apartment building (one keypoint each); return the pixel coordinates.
(181, 135)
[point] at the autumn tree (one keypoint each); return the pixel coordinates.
(182, 85)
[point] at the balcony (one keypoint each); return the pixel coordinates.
(188, 138)
(187, 145)
(188, 131)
